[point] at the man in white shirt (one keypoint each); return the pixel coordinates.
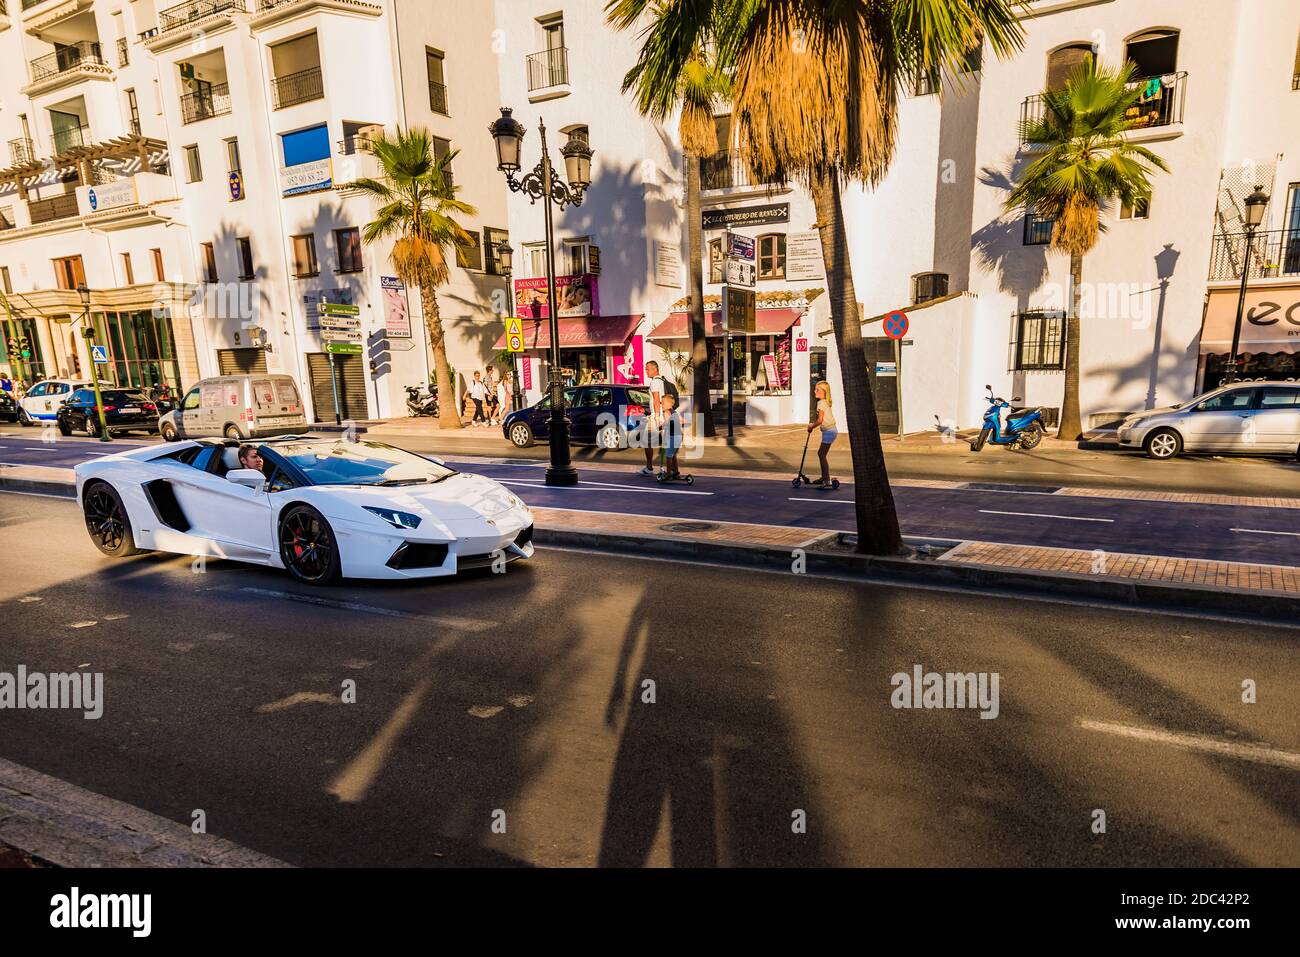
(654, 414)
(478, 394)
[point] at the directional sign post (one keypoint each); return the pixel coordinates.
(340, 332)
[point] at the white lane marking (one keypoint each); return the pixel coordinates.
(1260, 754)
(1263, 531)
(101, 453)
(599, 487)
(40, 448)
(1068, 518)
(841, 501)
(448, 621)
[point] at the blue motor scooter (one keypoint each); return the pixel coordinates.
(1023, 431)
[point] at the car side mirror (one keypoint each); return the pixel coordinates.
(249, 478)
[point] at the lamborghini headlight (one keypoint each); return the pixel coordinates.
(395, 518)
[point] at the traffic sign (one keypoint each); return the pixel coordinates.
(896, 325)
(339, 309)
(99, 354)
(514, 334)
(343, 348)
(738, 309)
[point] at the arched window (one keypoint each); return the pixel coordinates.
(1063, 61)
(1154, 53)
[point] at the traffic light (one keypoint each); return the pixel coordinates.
(14, 351)
(24, 347)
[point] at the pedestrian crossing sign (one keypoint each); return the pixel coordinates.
(99, 354)
(514, 334)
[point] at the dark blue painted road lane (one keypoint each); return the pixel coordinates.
(1021, 517)
(1177, 529)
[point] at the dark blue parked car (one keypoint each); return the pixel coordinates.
(600, 415)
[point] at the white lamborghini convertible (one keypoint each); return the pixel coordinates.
(322, 508)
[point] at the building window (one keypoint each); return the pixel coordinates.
(771, 256)
(209, 262)
(435, 65)
(127, 272)
(492, 238)
(133, 108)
(535, 260)
(245, 247)
(1038, 229)
(1139, 210)
(4, 277)
(348, 242)
(193, 168)
(304, 256)
(441, 150)
(577, 262)
(158, 274)
(469, 254)
(715, 260)
(1040, 341)
(69, 273)
(929, 285)
(232, 155)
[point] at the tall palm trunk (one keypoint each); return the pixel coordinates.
(448, 400)
(699, 343)
(873, 500)
(1071, 428)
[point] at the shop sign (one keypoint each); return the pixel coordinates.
(887, 368)
(578, 296)
(803, 257)
(120, 192)
(741, 273)
(593, 260)
(628, 368)
(740, 247)
(738, 310)
(307, 177)
(397, 320)
(746, 216)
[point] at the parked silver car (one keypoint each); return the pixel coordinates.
(1249, 418)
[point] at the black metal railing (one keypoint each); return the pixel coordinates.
(147, 34)
(184, 13)
(1272, 253)
(354, 143)
(548, 68)
(123, 56)
(1160, 103)
(297, 87)
(22, 151)
(207, 103)
(56, 207)
(63, 140)
(727, 169)
(438, 98)
(1038, 231)
(66, 58)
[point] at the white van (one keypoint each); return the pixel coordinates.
(237, 407)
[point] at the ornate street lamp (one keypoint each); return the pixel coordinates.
(506, 260)
(1256, 203)
(88, 331)
(543, 183)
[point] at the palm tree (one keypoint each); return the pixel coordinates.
(417, 209)
(815, 87)
(699, 86)
(1085, 164)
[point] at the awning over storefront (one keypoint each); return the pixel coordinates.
(767, 322)
(1270, 323)
(578, 333)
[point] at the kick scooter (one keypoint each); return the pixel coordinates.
(803, 479)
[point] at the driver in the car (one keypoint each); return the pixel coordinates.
(250, 458)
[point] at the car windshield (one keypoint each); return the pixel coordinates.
(123, 398)
(360, 463)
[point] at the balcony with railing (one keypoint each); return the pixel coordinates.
(206, 103)
(22, 151)
(56, 207)
(548, 69)
(295, 88)
(66, 59)
(63, 140)
(182, 14)
(438, 97)
(1159, 104)
(727, 169)
(1273, 254)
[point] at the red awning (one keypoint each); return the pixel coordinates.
(767, 322)
(579, 332)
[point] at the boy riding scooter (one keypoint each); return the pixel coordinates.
(671, 436)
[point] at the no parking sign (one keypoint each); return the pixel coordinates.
(896, 325)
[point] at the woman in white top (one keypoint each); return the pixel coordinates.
(503, 397)
(826, 421)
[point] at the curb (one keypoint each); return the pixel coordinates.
(1143, 595)
(920, 571)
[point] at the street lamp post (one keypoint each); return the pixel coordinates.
(506, 257)
(1255, 205)
(543, 183)
(88, 331)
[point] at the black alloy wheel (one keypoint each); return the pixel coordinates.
(307, 546)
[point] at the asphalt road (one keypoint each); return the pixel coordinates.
(524, 694)
(1012, 514)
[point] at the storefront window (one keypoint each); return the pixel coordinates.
(581, 366)
(141, 349)
(750, 371)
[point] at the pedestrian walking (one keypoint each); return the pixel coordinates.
(503, 407)
(478, 394)
(6, 384)
(826, 422)
(656, 384)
